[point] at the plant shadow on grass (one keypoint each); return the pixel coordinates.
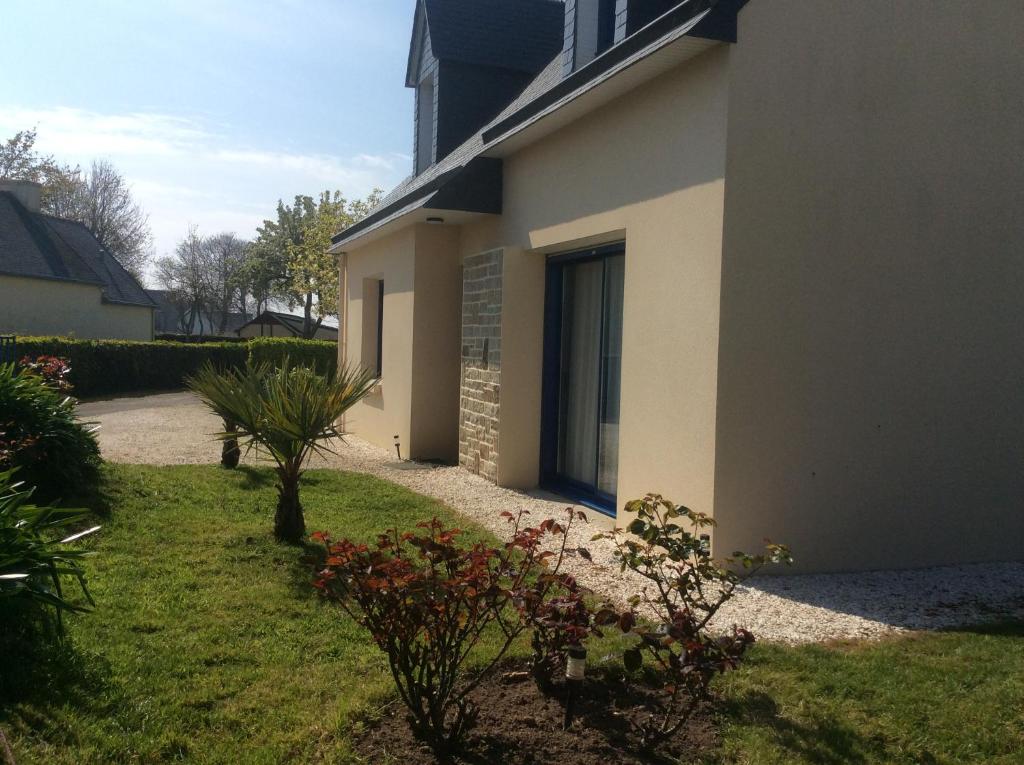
(99, 498)
(39, 668)
(825, 740)
(1010, 629)
(255, 478)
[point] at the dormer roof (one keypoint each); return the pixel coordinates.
(520, 35)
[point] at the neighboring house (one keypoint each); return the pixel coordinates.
(57, 279)
(171, 319)
(276, 324)
(763, 258)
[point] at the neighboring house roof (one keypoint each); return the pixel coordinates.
(40, 246)
(549, 91)
(507, 34)
(289, 321)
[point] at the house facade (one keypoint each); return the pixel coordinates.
(57, 279)
(761, 257)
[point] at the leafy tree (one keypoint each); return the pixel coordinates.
(20, 161)
(292, 252)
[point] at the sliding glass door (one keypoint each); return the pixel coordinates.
(582, 371)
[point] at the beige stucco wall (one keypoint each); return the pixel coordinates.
(419, 393)
(436, 344)
(387, 412)
(870, 400)
(648, 168)
(47, 307)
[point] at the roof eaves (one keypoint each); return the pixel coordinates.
(415, 45)
(52, 278)
(472, 187)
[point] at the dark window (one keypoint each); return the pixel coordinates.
(605, 25)
(380, 328)
(582, 373)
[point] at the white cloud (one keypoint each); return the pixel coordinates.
(183, 171)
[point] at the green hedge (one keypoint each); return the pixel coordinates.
(103, 367)
(322, 355)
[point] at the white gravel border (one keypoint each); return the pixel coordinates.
(172, 429)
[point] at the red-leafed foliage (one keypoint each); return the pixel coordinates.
(688, 587)
(557, 611)
(427, 598)
(53, 369)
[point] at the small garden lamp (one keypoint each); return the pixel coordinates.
(575, 672)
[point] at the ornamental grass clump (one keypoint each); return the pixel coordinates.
(427, 599)
(686, 588)
(34, 555)
(291, 412)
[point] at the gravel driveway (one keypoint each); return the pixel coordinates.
(791, 609)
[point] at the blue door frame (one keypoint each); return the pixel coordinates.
(550, 478)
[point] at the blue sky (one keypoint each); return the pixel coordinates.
(214, 109)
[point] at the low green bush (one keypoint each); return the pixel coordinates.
(41, 437)
(106, 367)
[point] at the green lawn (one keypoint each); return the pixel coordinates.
(208, 645)
(955, 697)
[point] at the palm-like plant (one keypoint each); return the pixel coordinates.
(33, 553)
(291, 412)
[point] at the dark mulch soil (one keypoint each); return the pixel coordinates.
(520, 726)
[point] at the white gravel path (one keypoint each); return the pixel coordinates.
(791, 609)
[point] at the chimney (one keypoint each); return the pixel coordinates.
(29, 193)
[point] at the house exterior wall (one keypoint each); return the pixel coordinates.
(480, 384)
(50, 307)
(388, 411)
(436, 348)
(870, 410)
(418, 397)
(647, 168)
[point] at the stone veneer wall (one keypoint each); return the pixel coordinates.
(481, 364)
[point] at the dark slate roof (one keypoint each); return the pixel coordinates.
(416, 191)
(43, 247)
(289, 321)
(713, 19)
(512, 34)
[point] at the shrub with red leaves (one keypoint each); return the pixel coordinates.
(689, 588)
(53, 369)
(427, 599)
(556, 609)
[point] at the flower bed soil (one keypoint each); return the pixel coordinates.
(520, 726)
